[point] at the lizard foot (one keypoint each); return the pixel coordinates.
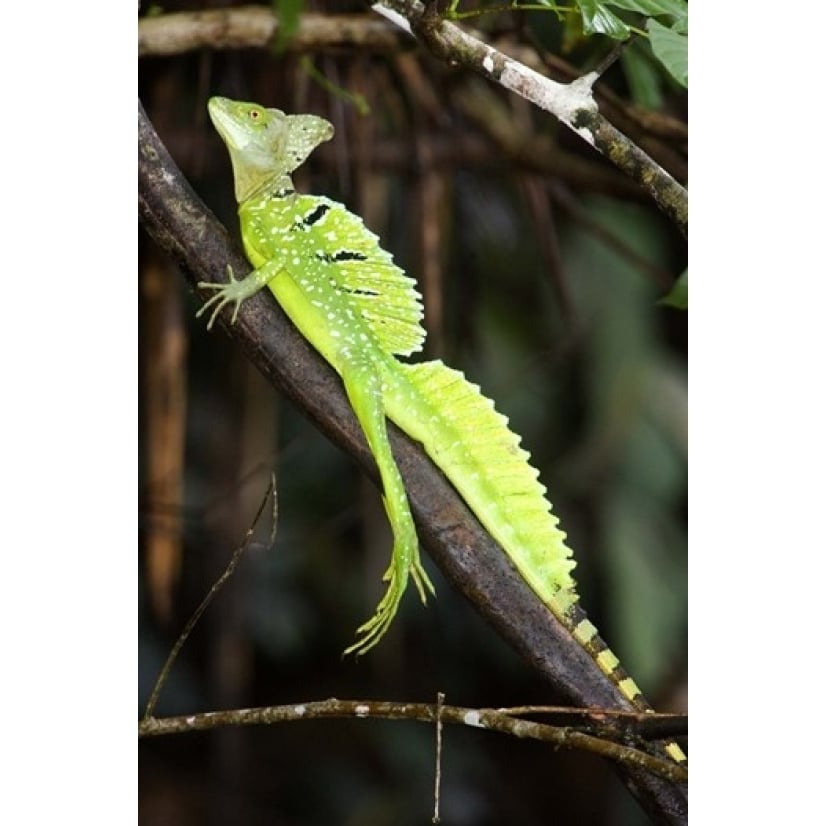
(235, 291)
(375, 628)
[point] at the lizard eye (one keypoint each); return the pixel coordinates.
(255, 114)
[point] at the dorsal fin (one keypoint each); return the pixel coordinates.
(338, 248)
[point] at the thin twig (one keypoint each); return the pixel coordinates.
(602, 721)
(613, 56)
(566, 737)
(230, 570)
(440, 704)
(274, 531)
(562, 196)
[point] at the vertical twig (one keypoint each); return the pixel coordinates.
(440, 699)
(230, 569)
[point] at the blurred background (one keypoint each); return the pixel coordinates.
(542, 269)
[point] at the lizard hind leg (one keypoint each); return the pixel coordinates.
(364, 389)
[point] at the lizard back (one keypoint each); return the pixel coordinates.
(337, 262)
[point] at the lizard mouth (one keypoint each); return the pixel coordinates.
(225, 123)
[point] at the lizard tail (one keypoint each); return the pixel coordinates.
(586, 634)
(471, 442)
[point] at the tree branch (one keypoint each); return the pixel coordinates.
(565, 737)
(573, 103)
(180, 223)
(257, 26)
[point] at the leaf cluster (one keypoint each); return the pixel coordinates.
(663, 22)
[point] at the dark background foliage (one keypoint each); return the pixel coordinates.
(543, 287)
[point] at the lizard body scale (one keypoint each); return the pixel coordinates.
(359, 310)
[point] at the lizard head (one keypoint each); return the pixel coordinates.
(265, 145)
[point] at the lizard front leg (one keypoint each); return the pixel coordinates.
(237, 291)
(363, 384)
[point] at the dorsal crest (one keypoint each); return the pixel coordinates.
(339, 257)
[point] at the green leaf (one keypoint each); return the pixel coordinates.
(653, 8)
(643, 75)
(671, 49)
(596, 19)
(288, 13)
(678, 295)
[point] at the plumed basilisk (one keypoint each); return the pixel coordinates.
(360, 311)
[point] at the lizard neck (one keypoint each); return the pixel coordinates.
(251, 183)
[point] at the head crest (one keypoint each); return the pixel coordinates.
(265, 145)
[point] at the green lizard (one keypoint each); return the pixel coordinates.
(360, 311)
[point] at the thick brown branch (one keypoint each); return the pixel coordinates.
(180, 223)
